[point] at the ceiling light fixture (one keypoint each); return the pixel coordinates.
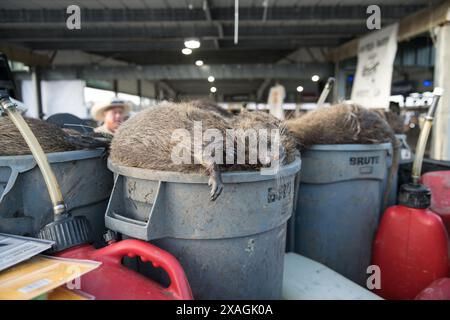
(186, 51)
(192, 43)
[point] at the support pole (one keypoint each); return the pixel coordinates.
(339, 89)
(139, 92)
(335, 88)
(36, 80)
(116, 87)
(440, 144)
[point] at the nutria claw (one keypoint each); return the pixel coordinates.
(216, 187)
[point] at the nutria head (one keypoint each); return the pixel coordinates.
(259, 120)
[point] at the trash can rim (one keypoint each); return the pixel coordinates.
(351, 147)
(227, 177)
(55, 157)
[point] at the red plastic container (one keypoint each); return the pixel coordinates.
(411, 249)
(438, 290)
(439, 184)
(113, 281)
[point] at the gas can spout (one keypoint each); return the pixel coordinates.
(326, 90)
(424, 134)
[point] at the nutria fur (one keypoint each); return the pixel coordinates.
(346, 124)
(258, 120)
(211, 106)
(340, 124)
(51, 138)
(145, 141)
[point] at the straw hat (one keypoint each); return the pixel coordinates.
(98, 110)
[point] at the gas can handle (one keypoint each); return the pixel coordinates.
(179, 285)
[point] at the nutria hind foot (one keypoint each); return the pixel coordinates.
(87, 141)
(215, 181)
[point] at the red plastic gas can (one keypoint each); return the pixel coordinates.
(411, 246)
(113, 281)
(438, 290)
(439, 184)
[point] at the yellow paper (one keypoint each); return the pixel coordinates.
(41, 274)
(62, 293)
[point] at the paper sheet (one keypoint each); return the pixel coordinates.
(15, 249)
(41, 274)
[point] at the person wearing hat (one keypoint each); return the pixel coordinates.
(112, 114)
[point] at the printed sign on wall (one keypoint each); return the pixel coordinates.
(376, 54)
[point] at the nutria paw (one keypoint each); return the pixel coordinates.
(216, 187)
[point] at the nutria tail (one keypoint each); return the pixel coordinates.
(88, 141)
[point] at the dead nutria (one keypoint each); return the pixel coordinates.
(51, 138)
(340, 124)
(346, 124)
(259, 120)
(146, 140)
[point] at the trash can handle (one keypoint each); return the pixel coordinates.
(118, 222)
(179, 286)
(10, 184)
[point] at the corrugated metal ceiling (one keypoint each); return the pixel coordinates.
(171, 4)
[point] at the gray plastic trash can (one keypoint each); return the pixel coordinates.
(339, 204)
(25, 205)
(232, 248)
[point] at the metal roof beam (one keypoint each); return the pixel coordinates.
(206, 8)
(25, 55)
(186, 72)
(52, 16)
(165, 33)
(95, 45)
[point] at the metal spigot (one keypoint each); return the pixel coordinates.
(6, 103)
